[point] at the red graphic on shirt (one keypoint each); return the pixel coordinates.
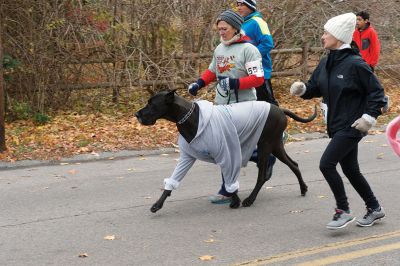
(225, 64)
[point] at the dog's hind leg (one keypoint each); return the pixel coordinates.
(159, 204)
(281, 154)
(270, 138)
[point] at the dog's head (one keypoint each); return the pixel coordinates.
(157, 107)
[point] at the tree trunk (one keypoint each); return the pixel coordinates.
(2, 107)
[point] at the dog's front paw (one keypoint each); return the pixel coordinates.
(156, 206)
(304, 190)
(247, 202)
(235, 202)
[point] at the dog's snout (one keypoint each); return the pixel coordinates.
(138, 117)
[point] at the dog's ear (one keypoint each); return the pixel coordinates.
(170, 96)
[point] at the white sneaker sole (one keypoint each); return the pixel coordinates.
(371, 224)
(342, 226)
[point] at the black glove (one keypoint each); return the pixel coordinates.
(228, 84)
(195, 86)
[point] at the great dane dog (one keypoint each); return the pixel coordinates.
(188, 117)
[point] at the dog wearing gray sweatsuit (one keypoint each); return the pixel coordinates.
(225, 135)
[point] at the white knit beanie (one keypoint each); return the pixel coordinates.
(342, 27)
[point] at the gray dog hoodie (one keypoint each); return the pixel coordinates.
(227, 136)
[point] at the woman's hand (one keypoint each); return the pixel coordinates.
(364, 123)
(298, 88)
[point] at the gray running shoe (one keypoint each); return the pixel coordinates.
(340, 219)
(371, 217)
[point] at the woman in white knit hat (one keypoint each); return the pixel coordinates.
(352, 101)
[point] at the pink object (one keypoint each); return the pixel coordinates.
(391, 134)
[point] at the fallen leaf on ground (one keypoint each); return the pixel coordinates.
(111, 237)
(206, 257)
(322, 197)
(99, 132)
(72, 171)
(211, 240)
(83, 255)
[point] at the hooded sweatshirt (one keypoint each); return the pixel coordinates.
(226, 136)
(236, 60)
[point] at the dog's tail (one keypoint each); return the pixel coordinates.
(300, 119)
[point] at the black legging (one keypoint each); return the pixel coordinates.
(344, 150)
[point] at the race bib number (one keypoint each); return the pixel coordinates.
(255, 68)
(324, 111)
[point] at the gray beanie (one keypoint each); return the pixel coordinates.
(232, 18)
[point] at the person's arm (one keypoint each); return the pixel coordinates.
(263, 38)
(375, 48)
(255, 72)
(206, 78)
(312, 88)
(253, 80)
(370, 85)
(254, 68)
(249, 82)
(374, 90)
(184, 164)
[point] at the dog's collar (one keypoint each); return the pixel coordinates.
(187, 115)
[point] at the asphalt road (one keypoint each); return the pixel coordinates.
(52, 214)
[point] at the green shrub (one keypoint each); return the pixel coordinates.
(41, 119)
(19, 110)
